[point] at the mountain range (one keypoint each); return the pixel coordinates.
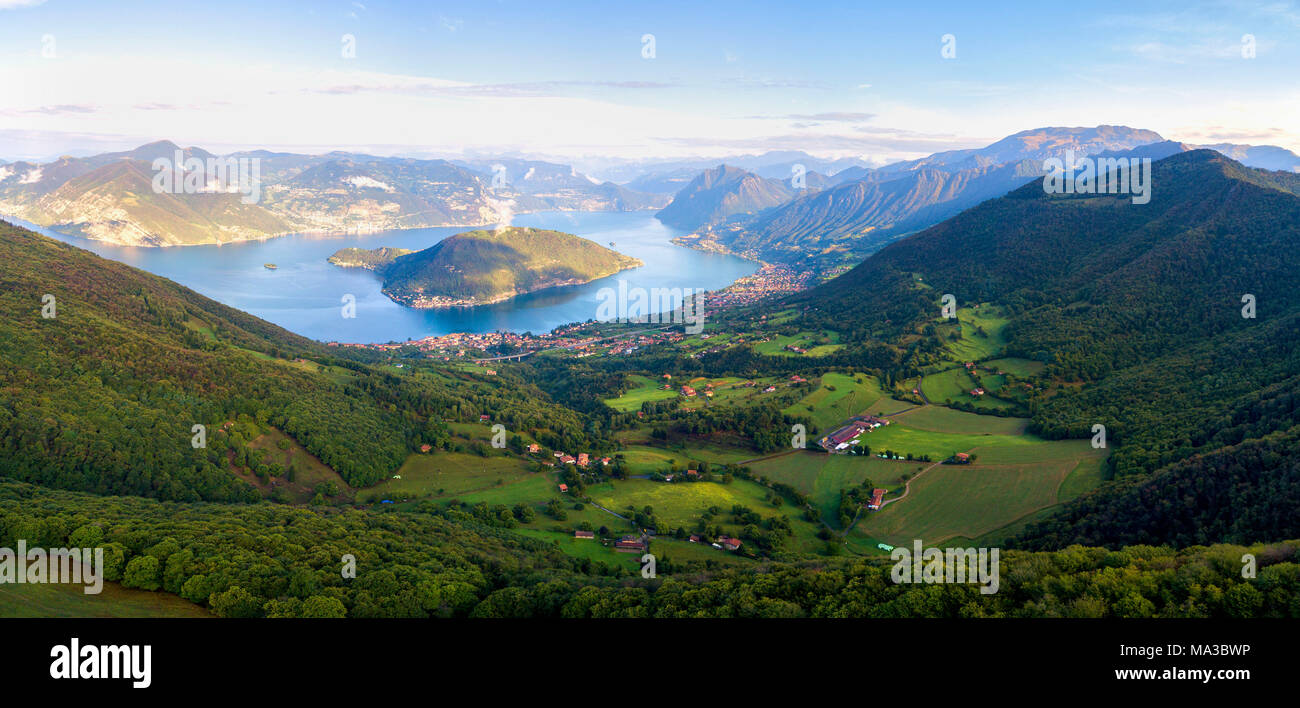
(114, 197)
(869, 207)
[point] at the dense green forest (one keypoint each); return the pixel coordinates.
(268, 560)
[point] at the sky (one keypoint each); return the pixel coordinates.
(644, 80)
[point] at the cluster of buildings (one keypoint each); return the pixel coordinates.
(769, 281)
(583, 459)
(846, 437)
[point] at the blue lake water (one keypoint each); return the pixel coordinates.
(304, 294)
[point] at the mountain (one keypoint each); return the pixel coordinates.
(722, 192)
(1136, 310)
(483, 267)
(871, 207)
(111, 196)
(534, 185)
(858, 217)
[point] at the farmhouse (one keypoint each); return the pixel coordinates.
(688, 391)
(731, 544)
(534, 448)
(584, 534)
(583, 459)
(629, 544)
(877, 496)
(564, 489)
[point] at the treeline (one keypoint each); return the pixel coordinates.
(266, 560)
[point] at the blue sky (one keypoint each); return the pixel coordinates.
(832, 78)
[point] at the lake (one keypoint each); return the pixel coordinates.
(305, 293)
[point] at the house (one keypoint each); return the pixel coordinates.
(557, 453)
(692, 473)
(769, 389)
(629, 544)
(564, 489)
(695, 538)
(962, 458)
(484, 418)
(604, 461)
(534, 448)
(584, 534)
(426, 447)
(977, 391)
(688, 391)
(798, 379)
(877, 496)
(731, 544)
(568, 459)
(583, 459)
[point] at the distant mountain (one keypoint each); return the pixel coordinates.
(861, 216)
(546, 186)
(338, 191)
(775, 164)
(871, 207)
(722, 192)
(483, 267)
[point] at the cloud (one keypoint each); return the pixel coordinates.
(59, 110)
(10, 4)
(532, 89)
(832, 117)
(451, 24)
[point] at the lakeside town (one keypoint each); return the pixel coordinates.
(589, 338)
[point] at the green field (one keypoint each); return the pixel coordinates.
(821, 476)
(71, 601)
(955, 385)
(449, 474)
(967, 500)
(973, 346)
(852, 395)
(1023, 368)
(643, 389)
(811, 341)
(948, 420)
(1006, 487)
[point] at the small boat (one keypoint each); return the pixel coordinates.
(269, 266)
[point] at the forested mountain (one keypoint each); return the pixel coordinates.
(102, 396)
(480, 267)
(1137, 309)
(720, 193)
(860, 216)
(869, 207)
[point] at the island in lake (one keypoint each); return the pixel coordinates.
(486, 267)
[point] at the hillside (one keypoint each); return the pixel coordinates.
(722, 192)
(1136, 310)
(483, 267)
(867, 208)
(103, 396)
(368, 258)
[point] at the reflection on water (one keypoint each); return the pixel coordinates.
(304, 294)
